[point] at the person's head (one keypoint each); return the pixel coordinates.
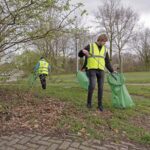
(102, 39)
(41, 57)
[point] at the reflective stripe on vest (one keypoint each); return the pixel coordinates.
(43, 68)
(96, 60)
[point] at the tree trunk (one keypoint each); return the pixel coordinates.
(111, 50)
(120, 62)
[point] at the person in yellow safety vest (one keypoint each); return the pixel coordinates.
(42, 68)
(96, 59)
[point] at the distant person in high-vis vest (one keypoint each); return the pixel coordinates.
(96, 59)
(42, 68)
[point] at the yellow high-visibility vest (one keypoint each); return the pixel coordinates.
(43, 67)
(96, 60)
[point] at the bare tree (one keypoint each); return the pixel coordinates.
(119, 23)
(141, 45)
(62, 45)
(105, 18)
(125, 23)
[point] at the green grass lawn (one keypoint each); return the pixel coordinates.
(131, 124)
(137, 77)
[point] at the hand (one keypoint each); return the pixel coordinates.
(85, 52)
(115, 72)
(82, 69)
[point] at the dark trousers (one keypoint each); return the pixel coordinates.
(43, 80)
(94, 74)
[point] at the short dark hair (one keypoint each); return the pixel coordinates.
(41, 57)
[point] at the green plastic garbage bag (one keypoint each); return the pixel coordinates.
(83, 79)
(120, 95)
(31, 79)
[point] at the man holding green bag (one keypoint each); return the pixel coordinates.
(96, 59)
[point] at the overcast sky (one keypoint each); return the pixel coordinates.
(142, 7)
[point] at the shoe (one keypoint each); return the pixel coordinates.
(43, 87)
(89, 106)
(100, 108)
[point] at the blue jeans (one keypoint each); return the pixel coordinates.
(92, 75)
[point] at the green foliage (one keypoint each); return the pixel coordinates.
(25, 20)
(83, 12)
(6, 68)
(146, 138)
(26, 61)
(67, 6)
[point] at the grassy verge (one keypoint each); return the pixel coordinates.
(116, 124)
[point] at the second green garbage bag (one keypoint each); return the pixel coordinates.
(83, 79)
(32, 79)
(120, 95)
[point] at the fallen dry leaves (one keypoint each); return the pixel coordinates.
(30, 113)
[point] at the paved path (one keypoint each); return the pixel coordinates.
(43, 142)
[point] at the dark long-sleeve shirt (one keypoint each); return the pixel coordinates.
(107, 61)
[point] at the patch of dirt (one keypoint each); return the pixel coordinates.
(24, 112)
(142, 121)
